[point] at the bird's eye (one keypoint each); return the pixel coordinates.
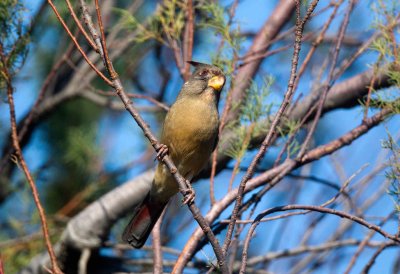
(203, 72)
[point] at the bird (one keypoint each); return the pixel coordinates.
(189, 136)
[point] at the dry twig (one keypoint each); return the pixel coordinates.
(23, 165)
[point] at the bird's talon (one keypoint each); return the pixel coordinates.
(189, 194)
(189, 197)
(162, 151)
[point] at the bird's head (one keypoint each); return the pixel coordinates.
(206, 80)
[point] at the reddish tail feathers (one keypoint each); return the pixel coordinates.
(144, 218)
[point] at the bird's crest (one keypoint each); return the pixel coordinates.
(197, 64)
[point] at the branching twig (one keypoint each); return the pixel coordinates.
(78, 23)
(371, 262)
(347, 138)
(273, 175)
(304, 249)
(320, 209)
(363, 244)
(267, 141)
(102, 76)
(329, 81)
(104, 52)
(279, 17)
(317, 42)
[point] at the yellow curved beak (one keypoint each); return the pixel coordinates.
(217, 82)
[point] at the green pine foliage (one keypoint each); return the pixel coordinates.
(388, 49)
(214, 17)
(387, 46)
(393, 172)
(14, 37)
(286, 132)
(256, 108)
(216, 21)
(165, 25)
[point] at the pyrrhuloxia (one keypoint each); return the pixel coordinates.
(190, 133)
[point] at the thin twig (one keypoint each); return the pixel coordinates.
(317, 42)
(315, 154)
(267, 141)
(245, 145)
(328, 202)
(83, 261)
(283, 34)
(345, 226)
(273, 52)
(293, 134)
(371, 87)
(77, 44)
(106, 59)
(157, 253)
(188, 39)
(329, 81)
(391, 32)
(364, 243)
(176, 49)
(347, 138)
(272, 176)
(34, 109)
(78, 23)
(263, 40)
(371, 262)
(222, 124)
(308, 249)
(227, 106)
(87, 19)
(138, 96)
(320, 209)
(24, 166)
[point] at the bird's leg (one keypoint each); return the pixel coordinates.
(189, 194)
(162, 150)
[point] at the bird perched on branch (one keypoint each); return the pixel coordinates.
(190, 134)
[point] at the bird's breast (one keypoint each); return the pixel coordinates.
(191, 127)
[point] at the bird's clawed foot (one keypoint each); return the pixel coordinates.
(162, 151)
(189, 194)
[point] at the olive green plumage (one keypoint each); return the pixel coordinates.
(190, 132)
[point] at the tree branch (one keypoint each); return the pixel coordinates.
(320, 209)
(21, 161)
(277, 172)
